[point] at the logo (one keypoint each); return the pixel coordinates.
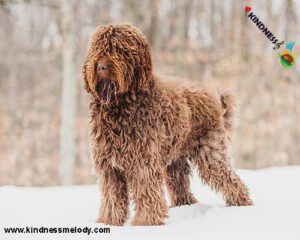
(287, 58)
(261, 26)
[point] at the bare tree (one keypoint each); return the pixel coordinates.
(244, 38)
(183, 23)
(69, 89)
(154, 21)
(290, 20)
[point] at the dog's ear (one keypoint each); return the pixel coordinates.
(143, 73)
(85, 77)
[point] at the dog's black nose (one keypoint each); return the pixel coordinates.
(101, 67)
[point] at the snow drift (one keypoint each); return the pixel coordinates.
(275, 215)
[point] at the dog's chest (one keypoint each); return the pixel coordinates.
(122, 137)
(117, 138)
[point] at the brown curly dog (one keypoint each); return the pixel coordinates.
(145, 133)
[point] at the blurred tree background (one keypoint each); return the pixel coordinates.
(43, 107)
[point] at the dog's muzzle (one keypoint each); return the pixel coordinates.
(106, 90)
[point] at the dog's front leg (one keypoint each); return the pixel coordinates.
(146, 184)
(114, 203)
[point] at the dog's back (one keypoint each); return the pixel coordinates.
(209, 109)
(207, 115)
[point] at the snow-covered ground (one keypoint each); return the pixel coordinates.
(276, 214)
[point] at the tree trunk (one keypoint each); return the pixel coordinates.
(213, 22)
(290, 21)
(290, 36)
(69, 89)
(154, 21)
(244, 45)
(183, 23)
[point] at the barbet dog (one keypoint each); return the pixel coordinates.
(145, 132)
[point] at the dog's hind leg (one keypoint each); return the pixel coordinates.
(178, 183)
(115, 201)
(216, 171)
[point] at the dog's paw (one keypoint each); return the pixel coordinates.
(243, 201)
(184, 201)
(150, 217)
(110, 221)
(149, 222)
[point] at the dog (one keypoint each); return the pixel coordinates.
(146, 133)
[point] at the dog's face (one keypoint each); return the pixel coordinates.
(104, 81)
(119, 60)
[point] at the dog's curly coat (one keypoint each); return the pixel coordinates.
(145, 133)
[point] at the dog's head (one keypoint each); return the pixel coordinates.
(119, 60)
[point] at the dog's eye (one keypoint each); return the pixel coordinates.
(101, 67)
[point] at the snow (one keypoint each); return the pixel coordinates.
(276, 214)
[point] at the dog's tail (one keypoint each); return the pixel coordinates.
(227, 101)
